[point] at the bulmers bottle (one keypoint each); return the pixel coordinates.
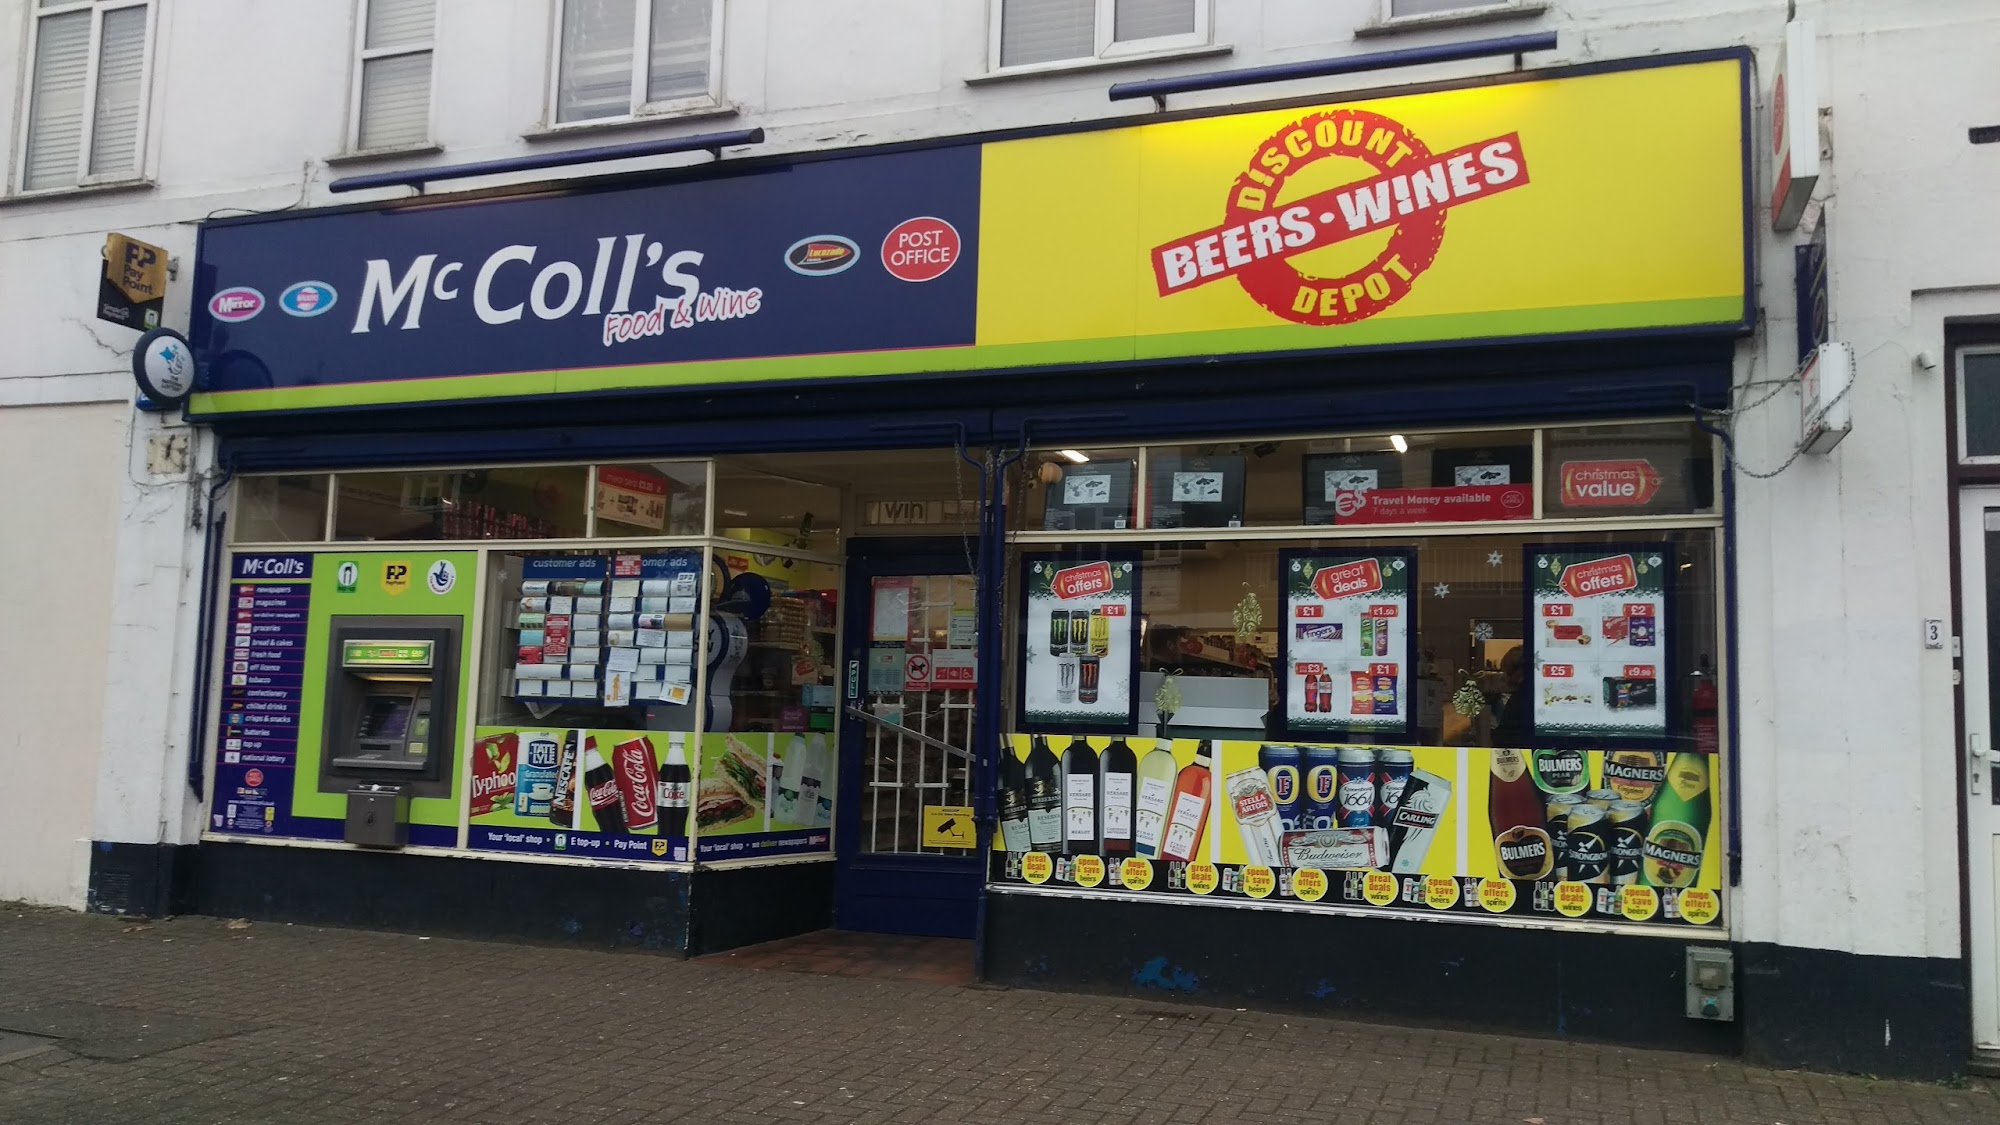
(1045, 802)
(1514, 810)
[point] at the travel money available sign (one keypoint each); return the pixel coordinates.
(1623, 837)
(1604, 202)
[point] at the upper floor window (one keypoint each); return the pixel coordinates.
(392, 81)
(86, 92)
(1401, 9)
(620, 58)
(1029, 32)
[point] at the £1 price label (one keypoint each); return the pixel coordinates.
(1036, 867)
(1202, 878)
(1440, 892)
(1089, 870)
(1572, 899)
(1700, 905)
(1259, 881)
(1379, 888)
(1496, 896)
(1136, 873)
(1309, 883)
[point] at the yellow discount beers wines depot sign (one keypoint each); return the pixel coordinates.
(1604, 202)
(1605, 199)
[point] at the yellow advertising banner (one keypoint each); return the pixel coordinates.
(1605, 202)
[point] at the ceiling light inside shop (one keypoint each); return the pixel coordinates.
(734, 512)
(1397, 440)
(1075, 455)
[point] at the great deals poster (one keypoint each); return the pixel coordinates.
(1598, 631)
(1346, 640)
(1080, 643)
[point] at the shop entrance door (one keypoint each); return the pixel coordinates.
(1979, 580)
(905, 845)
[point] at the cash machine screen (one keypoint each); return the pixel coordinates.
(386, 718)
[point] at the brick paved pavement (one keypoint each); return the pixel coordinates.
(192, 1021)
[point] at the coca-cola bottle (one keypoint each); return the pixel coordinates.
(600, 788)
(674, 780)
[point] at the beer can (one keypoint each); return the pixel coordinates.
(1560, 806)
(1356, 774)
(1603, 798)
(1587, 851)
(1281, 769)
(1392, 773)
(1627, 822)
(1322, 788)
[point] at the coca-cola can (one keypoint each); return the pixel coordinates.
(638, 783)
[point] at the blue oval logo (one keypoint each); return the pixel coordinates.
(822, 255)
(308, 298)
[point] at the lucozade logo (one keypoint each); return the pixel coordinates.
(1411, 192)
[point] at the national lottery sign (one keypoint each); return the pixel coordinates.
(1606, 199)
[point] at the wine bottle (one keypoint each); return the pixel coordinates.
(1045, 816)
(1115, 768)
(1188, 817)
(1079, 766)
(1156, 792)
(1013, 780)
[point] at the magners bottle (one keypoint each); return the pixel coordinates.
(1681, 822)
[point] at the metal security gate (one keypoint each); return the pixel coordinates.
(907, 843)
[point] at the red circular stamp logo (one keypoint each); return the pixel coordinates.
(920, 249)
(1407, 191)
(253, 777)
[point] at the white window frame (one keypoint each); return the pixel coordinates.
(364, 54)
(1958, 375)
(140, 160)
(642, 38)
(1465, 8)
(1107, 49)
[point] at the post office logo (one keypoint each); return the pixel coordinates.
(236, 303)
(1409, 195)
(822, 255)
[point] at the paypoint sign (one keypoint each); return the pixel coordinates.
(1613, 201)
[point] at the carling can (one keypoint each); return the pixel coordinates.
(638, 783)
(1356, 766)
(535, 772)
(1392, 773)
(1322, 788)
(1281, 769)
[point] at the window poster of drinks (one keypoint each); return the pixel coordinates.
(614, 795)
(1079, 641)
(762, 794)
(1598, 634)
(1625, 837)
(1348, 640)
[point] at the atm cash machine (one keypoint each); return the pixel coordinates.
(391, 720)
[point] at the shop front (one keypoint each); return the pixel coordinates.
(1270, 557)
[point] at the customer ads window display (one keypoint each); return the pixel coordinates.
(1080, 654)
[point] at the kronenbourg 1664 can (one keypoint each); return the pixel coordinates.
(1356, 768)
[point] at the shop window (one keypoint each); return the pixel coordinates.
(791, 502)
(1660, 468)
(513, 502)
(1979, 405)
(392, 98)
(912, 492)
(1076, 490)
(651, 499)
(280, 509)
(622, 58)
(86, 110)
(1402, 9)
(1030, 32)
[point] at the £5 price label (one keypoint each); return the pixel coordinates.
(1309, 883)
(1379, 887)
(1573, 899)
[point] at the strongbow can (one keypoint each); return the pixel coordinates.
(1628, 841)
(1588, 850)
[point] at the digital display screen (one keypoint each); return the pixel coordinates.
(386, 716)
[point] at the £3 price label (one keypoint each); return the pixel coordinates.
(1700, 905)
(1259, 881)
(1496, 895)
(1089, 870)
(1136, 873)
(1572, 899)
(1203, 878)
(1036, 867)
(1309, 883)
(1440, 892)
(1379, 887)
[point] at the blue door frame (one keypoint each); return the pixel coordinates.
(931, 895)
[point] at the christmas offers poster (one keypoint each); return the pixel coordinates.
(1347, 642)
(1418, 827)
(1598, 627)
(583, 793)
(1080, 643)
